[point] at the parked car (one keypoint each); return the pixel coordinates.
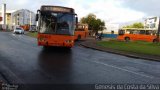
(18, 30)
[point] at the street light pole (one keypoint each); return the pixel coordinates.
(30, 20)
(158, 32)
(4, 16)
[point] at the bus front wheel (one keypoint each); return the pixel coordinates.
(127, 39)
(79, 37)
(46, 47)
(155, 41)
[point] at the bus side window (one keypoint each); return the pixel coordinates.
(121, 32)
(142, 32)
(148, 32)
(131, 32)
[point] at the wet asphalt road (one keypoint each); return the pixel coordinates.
(23, 62)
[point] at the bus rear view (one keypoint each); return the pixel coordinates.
(56, 26)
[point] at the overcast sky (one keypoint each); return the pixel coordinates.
(112, 11)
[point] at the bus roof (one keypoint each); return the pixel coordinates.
(57, 8)
(137, 29)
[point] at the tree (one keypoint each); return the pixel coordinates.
(135, 25)
(94, 23)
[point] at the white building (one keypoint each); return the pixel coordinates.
(8, 17)
(152, 23)
(13, 17)
(23, 17)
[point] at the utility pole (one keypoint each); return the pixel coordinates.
(30, 20)
(4, 16)
(158, 32)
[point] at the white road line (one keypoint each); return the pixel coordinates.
(143, 75)
(13, 78)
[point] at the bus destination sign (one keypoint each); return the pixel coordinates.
(56, 9)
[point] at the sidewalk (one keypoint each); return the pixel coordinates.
(91, 43)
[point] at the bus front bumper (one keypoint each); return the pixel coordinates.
(56, 44)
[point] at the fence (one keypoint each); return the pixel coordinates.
(110, 35)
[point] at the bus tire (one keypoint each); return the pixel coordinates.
(46, 47)
(127, 39)
(79, 37)
(69, 48)
(155, 41)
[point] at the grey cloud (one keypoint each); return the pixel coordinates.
(150, 7)
(32, 5)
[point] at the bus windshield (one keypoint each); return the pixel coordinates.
(57, 23)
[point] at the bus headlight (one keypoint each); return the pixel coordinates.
(69, 41)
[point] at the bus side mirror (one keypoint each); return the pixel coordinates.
(37, 17)
(76, 20)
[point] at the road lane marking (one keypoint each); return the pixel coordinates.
(123, 69)
(11, 76)
(140, 61)
(143, 75)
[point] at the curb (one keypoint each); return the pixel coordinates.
(121, 53)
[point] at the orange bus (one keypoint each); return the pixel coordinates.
(137, 34)
(56, 26)
(25, 27)
(81, 32)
